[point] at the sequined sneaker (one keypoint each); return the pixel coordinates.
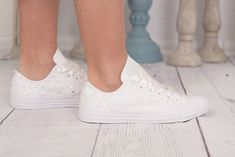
(139, 99)
(61, 88)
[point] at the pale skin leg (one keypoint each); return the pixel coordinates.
(38, 33)
(102, 30)
(103, 34)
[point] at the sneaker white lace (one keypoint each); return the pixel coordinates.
(61, 88)
(139, 99)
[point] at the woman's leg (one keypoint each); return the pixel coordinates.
(142, 98)
(103, 34)
(38, 33)
(38, 56)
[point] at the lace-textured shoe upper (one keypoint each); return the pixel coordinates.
(140, 97)
(139, 90)
(134, 74)
(62, 83)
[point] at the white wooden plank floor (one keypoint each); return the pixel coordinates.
(59, 133)
(153, 140)
(6, 71)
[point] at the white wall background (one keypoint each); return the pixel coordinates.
(161, 27)
(6, 26)
(163, 19)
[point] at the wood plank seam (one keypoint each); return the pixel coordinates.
(181, 82)
(198, 123)
(96, 139)
(139, 140)
(218, 92)
(2, 121)
(229, 59)
(203, 138)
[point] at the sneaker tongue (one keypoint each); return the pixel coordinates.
(131, 70)
(59, 57)
(134, 72)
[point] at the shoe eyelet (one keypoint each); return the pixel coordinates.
(73, 91)
(140, 87)
(68, 75)
(159, 93)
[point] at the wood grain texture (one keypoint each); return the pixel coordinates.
(231, 56)
(54, 132)
(5, 108)
(218, 125)
(151, 140)
(222, 78)
(6, 71)
(40, 133)
(58, 132)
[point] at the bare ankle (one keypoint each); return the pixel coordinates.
(106, 86)
(106, 74)
(35, 72)
(35, 69)
(106, 81)
(36, 64)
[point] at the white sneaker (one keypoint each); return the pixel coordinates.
(139, 99)
(61, 88)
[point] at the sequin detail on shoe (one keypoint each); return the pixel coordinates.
(62, 83)
(139, 99)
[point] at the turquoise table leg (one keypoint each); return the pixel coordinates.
(139, 44)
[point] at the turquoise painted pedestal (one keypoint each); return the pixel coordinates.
(139, 44)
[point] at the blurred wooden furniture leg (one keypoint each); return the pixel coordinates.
(139, 44)
(185, 54)
(211, 51)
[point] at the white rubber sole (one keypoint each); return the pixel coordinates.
(135, 117)
(43, 103)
